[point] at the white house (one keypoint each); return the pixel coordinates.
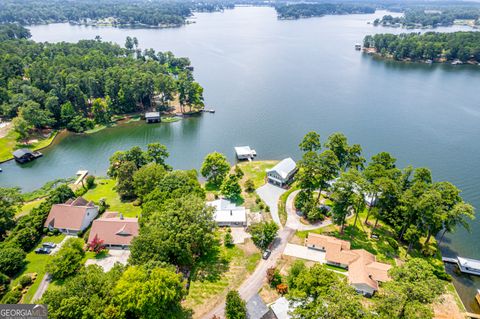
(227, 213)
(282, 173)
(72, 217)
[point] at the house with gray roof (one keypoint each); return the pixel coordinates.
(282, 174)
(257, 309)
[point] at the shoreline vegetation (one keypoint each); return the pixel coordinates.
(309, 10)
(86, 86)
(455, 48)
(116, 13)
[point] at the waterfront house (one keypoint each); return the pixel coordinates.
(245, 153)
(282, 174)
(24, 155)
(71, 217)
(114, 230)
(227, 213)
(364, 272)
(152, 117)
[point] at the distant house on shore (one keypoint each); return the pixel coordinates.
(282, 174)
(227, 213)
(24, 155)
(364, 272)
(114, 230)
(152, 117)
(71, 217)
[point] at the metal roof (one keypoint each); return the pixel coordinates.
(285, 167)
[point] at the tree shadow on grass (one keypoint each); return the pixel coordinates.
(211, 266)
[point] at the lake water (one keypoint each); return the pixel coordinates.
(272, 81)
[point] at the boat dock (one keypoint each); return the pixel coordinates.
(81, 175)
(466, 265)
(208, 111)
(245, 153)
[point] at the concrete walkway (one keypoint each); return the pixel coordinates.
(270, 194)
(303, 252)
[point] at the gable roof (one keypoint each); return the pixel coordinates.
(362, 265)
(21, 152)
(69, 215)
(227, 212)
(114, 230)
(284, 167)
(243, 150)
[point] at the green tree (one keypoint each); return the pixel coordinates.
(338, 144)
(310, 142)
(235, 307)
(231, 188)
(67, 113)
(125, 179)
(35, 115)
(263, 233)
(10, 201)
(101, 111)
(180, 231)
(147, 178)
(249, 186)
(158, 153)
(68, 260)
(144, 293)
(215, 168)
(12, 259)
(22, 128)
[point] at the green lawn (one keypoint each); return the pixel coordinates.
(256, 170)
(36, 264)
(28, 206)
(8, 144)
(221, 271)
(104, 188)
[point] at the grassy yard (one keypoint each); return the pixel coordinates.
(8, 144)
(256, 171)
(221, 271)
(28, 206)
(36, 264)
(104, 188)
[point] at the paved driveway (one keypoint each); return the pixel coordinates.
(109, 261)
(303, 252)
(270, 194)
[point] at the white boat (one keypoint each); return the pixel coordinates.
(1, 170)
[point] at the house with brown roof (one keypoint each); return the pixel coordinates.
(364, 271)
(114, 230)
(71, 217)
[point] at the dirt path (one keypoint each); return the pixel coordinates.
(4, 128)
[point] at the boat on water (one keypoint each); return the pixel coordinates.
(358, 46)
(1, 170)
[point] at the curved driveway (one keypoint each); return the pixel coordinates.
(293, 220)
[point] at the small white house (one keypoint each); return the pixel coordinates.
(227, 213)
(282, 173)
(245, 153)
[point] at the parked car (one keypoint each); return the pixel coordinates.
(266, 254)
(43, 250)
(49, 245)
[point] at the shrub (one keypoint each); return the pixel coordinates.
(258, 200)
(235, 307)
(250, 187)
(12, 297)
(228, 239)
(273, 277)
(4, 281)
(25, 280)
(282, 289)
(90, 181)
(392, 242)
(12, 259)
(267, 208)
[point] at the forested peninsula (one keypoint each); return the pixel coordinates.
(112, 12)
(78, 85)
(414, 18)
(456, 47)
(308, 10)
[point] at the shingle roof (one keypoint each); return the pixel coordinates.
(114, 230)
(284, 167)
(69, 215)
